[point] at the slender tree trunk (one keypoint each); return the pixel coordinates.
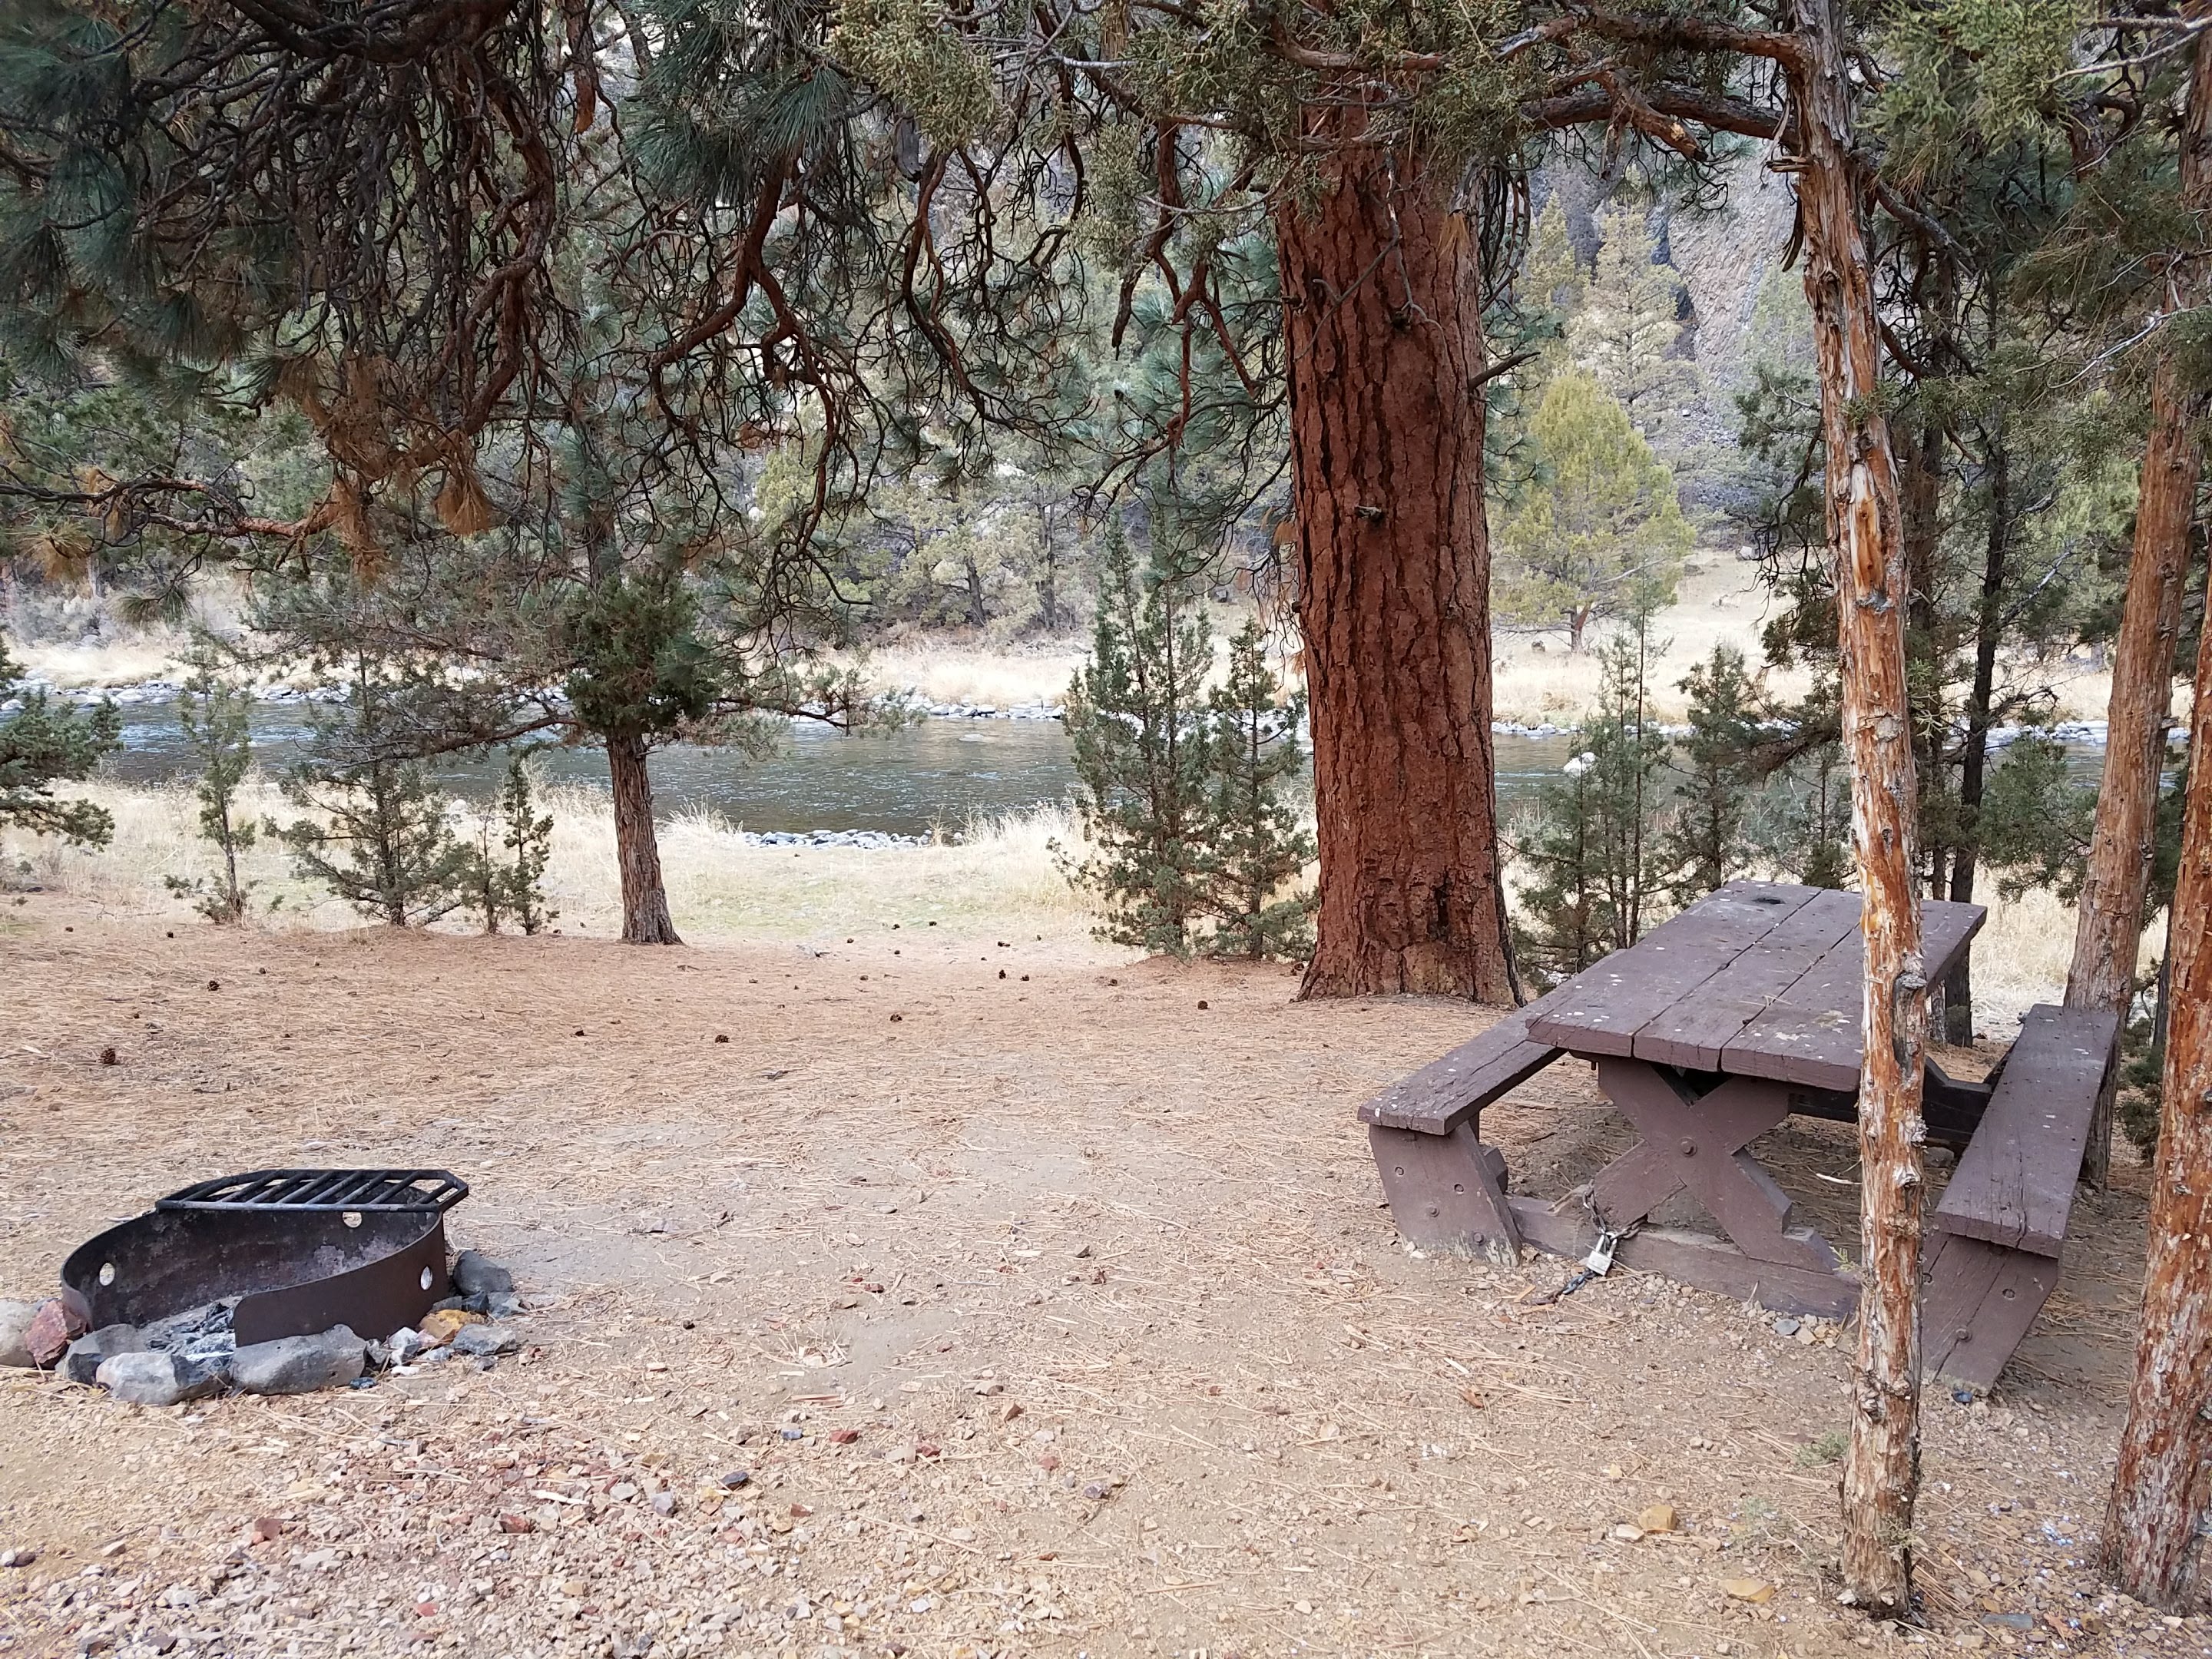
(2108, 925)
(2108, 928)
(637, 846)
(1865, 540)
(1974, 760)
(2161, 1501)
(1381, 292)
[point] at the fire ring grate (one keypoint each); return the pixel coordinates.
(293, 1252)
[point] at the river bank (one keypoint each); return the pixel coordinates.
(1538, 686)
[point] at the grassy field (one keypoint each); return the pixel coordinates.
(998, 879)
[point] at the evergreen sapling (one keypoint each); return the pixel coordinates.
(1258, 845)
(44, 743)
(1135, 717)
(214, 714)
(381, 836)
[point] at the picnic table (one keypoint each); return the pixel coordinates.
(1713, 1028)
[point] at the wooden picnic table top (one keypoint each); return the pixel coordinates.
(1758, 979)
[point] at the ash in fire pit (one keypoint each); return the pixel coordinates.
(203, 1333)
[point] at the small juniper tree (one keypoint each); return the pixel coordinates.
(44, 743)
(1706, 843)
(381, 836)
(507, 860)
(1595, 853)
(215, 713)
(1258, 845)
(1135, 716)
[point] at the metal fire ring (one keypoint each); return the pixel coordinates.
(301, 1250)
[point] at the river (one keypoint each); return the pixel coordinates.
(939, 772)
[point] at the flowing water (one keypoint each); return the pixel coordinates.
(938, 773)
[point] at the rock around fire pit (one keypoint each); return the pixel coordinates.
(263, 1282)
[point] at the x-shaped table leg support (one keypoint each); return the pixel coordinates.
(1697, 1142)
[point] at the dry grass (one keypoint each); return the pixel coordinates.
(93, 663)
(998, 876)
(1720, 602)
(947, 671)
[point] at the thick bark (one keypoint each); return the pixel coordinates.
(637, 846)
(2162, 1488)
(2161, 1503)
(2108, 925)
(1383, 303)
(1866, 541)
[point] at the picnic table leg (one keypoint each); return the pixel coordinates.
(1446, 1191)
(1697, 1142)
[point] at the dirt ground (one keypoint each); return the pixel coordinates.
(1046, 1301)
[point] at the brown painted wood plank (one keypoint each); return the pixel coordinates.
(1710, 1264)
(2015, 1183)
(1447, 1192)
(1447, 1092)
(1608, 1003)
(1699, 1026)
(1811, 1034)
(1977, 1302)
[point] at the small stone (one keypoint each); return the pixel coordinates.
(1658, 1517)
(735, 1477)
(267, 1530)
(793, 1431)
(1009, 1410)
(621, 1491)
(158, 1638)
(1202, 1003)
(440, 1323)
(82, 1363)
(487, 1340)
(517, 1524)
(15, 1319)
(843, 1436)
(502, 1304)
(477, 1274)
(298, 1364)
(664, 1503)
(17, 1558)
(1097, 1491)
(148, 1379)
(52, 1328)
(215, 985)
(1785, 1326)
(1754, 1590)
(107, 1057)
(1048, 1461)
(926, 1449)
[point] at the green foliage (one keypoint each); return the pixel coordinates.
(1143, 756)
(1594, 857)
(2035, 820)
(378, 833)
(1602, 534)
(638, 666)
(45, 742)
(507, 855)
(1626, 330)
(1258, 846)
(902, 47)
(215, 713)
(1706, 843)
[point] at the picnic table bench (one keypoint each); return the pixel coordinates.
(1713, 1028)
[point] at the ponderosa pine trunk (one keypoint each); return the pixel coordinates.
(1383, 304)
(2154, 1527)
(2161, 1503)
(637, 846)
(1866, 544)
(2108, 922)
